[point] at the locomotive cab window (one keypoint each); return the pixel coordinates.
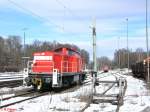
(70, 52)
(58, 51)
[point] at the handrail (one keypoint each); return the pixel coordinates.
(68, 66)
(65, 66)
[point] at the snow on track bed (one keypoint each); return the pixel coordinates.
(135, 100)
(11, 76)
(137, 97)
(13, 83)
(15, 100)
(107, 86)
(63, 97)
(11, 79)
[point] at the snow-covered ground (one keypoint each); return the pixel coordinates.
(71, 101)
(104, 107)
(136, 98)
(10, 76)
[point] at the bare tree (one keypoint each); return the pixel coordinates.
(140, 54)
(103, 61)
(11, 51)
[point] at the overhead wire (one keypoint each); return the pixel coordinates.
(34, 14)
(43, 18)
(68, 9)
(65, 7)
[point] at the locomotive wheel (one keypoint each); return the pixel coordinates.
(80, 80)
(66, 83)
(35, 87)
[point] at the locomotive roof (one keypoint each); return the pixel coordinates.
(69, 48)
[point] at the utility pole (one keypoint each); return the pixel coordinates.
(24, 39)
(94, 45)
(24, 57)
(147, 43)
(127, 46)
(93, 27)
(24, 42)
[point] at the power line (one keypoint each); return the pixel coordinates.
(65, 7)
(40, 17)
(68, 10)
(34, 14)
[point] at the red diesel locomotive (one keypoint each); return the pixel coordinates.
(53, 69)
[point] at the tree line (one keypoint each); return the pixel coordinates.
(120, 59)
(12, 52)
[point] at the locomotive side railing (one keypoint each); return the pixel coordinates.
(65, 66)
(68, 66)
(74, 66)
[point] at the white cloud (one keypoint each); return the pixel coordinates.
(79, 13)
(77, 17)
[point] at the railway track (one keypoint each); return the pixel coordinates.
(13, 83)
(118, 98)
(66, 90)
(8, 77)
(90, 99)
(18, 95)
(31, 94)
(11, 79)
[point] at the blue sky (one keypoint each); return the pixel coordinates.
(70, 20)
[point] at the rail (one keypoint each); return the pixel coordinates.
(34, 96)
(13, 83)
(116, 99)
